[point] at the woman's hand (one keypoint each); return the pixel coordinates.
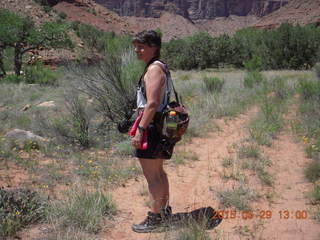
(137, 139)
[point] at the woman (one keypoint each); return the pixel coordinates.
(152, 96)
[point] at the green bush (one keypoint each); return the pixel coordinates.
(19, 207)
(252, 79)
(286, 47)
(312, 172)
(313, 150)
(124, 148)
(250, 151)
(40, 74)
(238, 198)
(316, 193)
(12, 78)
(316, 69)
(62, 15)
(82, 209)
(42, 2)
(254, 64)
(73, 126)
(193, 231)
(91, 36)
(280, 87)
(47, 9)
(309, 89)
(213, 84)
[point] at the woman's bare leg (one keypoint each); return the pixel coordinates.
(157, 183)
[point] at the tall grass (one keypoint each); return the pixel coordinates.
(252, 159)
(239, 198)
(213, 84)
(193, 231)
(81, 209)
(204, 105)
(273, 100)
(309, 115)
(307, 126)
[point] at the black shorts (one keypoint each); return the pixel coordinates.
(158, 148)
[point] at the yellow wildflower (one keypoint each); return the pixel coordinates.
(305, 139)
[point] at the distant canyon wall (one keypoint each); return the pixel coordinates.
(193, 9)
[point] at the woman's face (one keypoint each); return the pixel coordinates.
(144, 52)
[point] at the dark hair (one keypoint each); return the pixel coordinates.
(150, 38)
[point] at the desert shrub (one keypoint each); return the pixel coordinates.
(7, 56)
(313, 149)
(79, 119)
(62, 15)
(316, 193)
(40, 74)
(74, 125)
(250, 151)
(252, 79)
(42, 2)
(19, 207)
(47, 9)
(111, 84)
(75, 25)
(193, 231)
(309, 89)
(317, 70)
(12, 78)
(280, 87)
(254, 64)
(213, 84)
(269, 121)
(124, 148)
(238, 198)
(92, 37)
(81, 209)
(312, 172)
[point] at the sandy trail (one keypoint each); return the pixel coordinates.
(195, 185)
(190, 185)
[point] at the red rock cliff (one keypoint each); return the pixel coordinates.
(193, 9)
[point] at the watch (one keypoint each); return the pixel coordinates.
(141, 129)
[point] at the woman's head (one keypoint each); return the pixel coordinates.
(147, 45)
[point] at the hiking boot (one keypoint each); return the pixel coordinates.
(151, 223)
(166, 213)
(154, 221)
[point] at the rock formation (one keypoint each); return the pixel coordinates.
(193, 9)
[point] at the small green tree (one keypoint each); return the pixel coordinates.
(21, 34)
(92, 37)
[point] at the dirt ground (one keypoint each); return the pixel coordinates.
(195, 185)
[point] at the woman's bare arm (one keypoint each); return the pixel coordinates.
(154, 81)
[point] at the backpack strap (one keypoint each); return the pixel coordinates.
(142, 76)
(166, 70)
